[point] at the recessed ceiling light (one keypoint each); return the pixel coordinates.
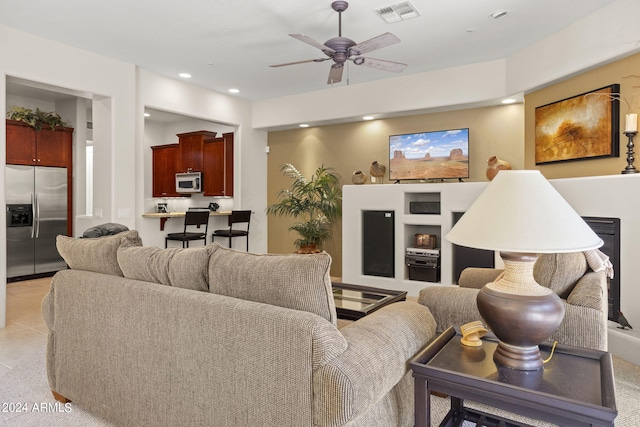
(509, 101)
(185, 75)
(147, 115)
(303, 125)
(233, 90)
(367, 118)
(498, 13)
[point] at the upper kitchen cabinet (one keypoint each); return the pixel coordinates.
(165, 167)
(197, 151)
(217, 173)
(45, 147)
(190, 150)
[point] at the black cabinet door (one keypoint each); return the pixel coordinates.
(378, 243)
(464, 257)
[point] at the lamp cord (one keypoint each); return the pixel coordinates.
(552, 350)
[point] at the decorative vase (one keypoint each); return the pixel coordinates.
(495, 165)
(377, 171)
(359, 177)
(520, 312)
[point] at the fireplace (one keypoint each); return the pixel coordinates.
(609, 231)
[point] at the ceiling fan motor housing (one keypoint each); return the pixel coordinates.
(340, 46)
(339, 6)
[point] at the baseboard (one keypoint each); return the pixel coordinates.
(624, 343)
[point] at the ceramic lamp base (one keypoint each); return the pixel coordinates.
(520, 312)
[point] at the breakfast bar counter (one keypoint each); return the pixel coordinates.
(164, 216)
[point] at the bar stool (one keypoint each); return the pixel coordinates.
(193, 217)
(236, 217)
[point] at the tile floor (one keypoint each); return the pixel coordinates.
(25, 330)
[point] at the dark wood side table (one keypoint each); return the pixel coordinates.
(355, 301)
(575, 388)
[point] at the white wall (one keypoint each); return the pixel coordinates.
(32, 58)
(119, 93)
(469, 84)
(597, 39)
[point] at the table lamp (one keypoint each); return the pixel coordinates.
(521, 215)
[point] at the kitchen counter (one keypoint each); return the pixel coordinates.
(164, 216)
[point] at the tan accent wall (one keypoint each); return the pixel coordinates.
(615, 72)
(352, 146)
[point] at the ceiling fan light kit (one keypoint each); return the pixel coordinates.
(341, 49)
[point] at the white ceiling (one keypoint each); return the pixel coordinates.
(230, 44)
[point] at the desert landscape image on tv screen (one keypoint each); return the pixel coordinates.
(429, 155)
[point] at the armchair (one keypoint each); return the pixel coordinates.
(583, 292)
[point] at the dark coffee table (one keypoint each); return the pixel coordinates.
(575, 388)
(355, 301)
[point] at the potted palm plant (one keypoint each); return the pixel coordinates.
(314, 204)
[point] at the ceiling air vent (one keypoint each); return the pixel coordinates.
(397, 12)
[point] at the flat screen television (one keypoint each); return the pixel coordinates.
(442, 154)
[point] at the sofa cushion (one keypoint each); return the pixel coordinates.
(560, 272)
(182, 268)
(299, 282)
(99, 255)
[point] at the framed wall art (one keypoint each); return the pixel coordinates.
(585, 126)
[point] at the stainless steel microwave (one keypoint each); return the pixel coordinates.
(189, 182)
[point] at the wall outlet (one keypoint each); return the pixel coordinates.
(124, 213)
(97, 213)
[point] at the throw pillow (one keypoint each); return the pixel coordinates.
(108, 229)
(182, 268)
(98, 255)
(560, 272)
(299, 282)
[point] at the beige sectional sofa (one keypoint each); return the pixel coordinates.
(209, 336)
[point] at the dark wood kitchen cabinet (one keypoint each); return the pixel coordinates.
(165, 167)
(217, 172)
(190, 150)
(198, 151)
(45, 147)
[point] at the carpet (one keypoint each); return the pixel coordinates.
(26, 399)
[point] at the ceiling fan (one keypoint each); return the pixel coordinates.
(340, 49)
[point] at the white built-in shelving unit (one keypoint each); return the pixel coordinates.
(453, 197)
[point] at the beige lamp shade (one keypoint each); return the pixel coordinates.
(520, 211)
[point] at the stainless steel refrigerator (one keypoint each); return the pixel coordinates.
(36, 214)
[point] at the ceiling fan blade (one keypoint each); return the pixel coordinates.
(308, 40)
(299, 62)
(383, 40)
(335, 74)
(380, 64)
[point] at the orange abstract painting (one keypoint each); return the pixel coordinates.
(582, 127)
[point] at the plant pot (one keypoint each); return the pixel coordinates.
(308, 249)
